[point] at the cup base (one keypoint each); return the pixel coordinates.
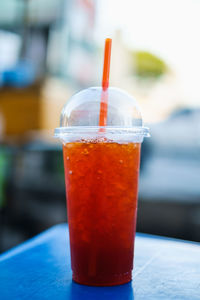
(99, 281)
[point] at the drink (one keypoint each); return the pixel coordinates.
(102, 184)
(101, 175)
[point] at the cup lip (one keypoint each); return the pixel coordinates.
(139, 131)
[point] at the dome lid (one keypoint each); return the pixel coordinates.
(80, 115)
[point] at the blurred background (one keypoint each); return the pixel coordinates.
(50, 49)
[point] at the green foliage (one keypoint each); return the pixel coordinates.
(148, 65)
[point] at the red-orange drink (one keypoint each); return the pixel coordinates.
(102, 186)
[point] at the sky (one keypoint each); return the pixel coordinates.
(168, 28)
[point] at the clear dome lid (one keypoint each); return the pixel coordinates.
(80, 116)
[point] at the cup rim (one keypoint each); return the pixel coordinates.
(139, 131)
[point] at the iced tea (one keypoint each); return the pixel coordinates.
(102, 186)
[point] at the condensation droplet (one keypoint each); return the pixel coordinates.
(67, 157)
(121, 161)
(70, 172)
(85, 152)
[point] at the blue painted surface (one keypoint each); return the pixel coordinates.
(40, 269)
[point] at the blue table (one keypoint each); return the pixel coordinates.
(40, 269)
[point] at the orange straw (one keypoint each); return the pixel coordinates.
(105, 83)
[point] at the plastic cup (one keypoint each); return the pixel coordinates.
(101, 175)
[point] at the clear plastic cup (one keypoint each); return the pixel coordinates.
(101, 175)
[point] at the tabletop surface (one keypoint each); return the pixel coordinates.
(40, 269)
